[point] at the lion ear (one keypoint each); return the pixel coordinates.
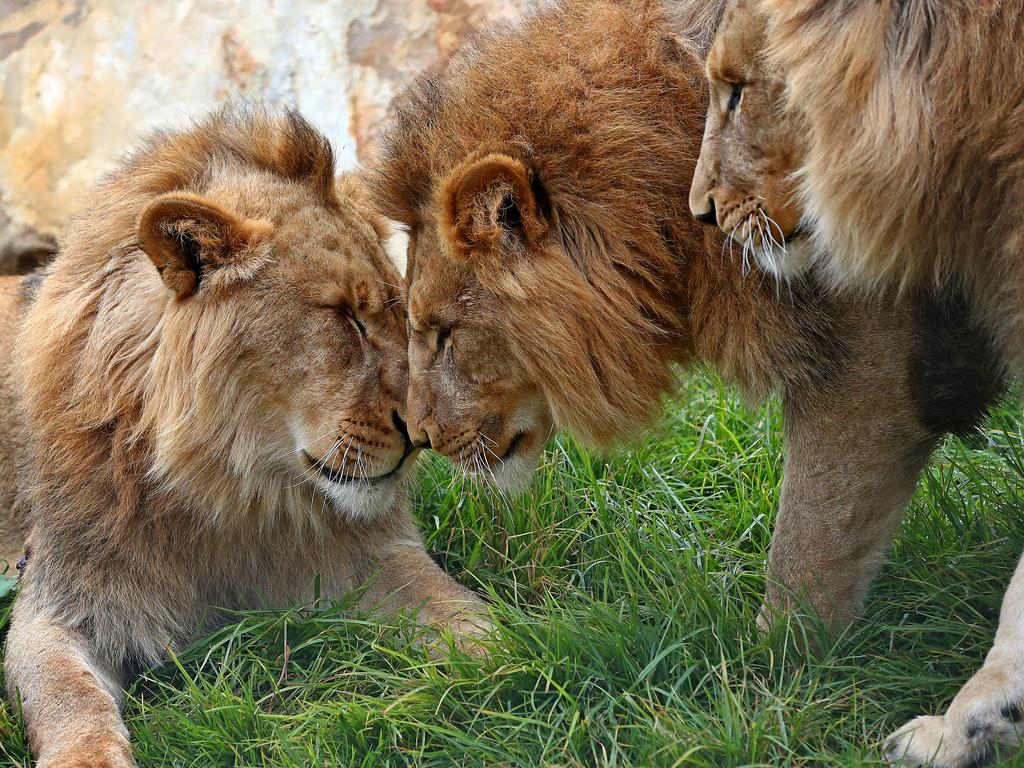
(488, 202)
(185, 235)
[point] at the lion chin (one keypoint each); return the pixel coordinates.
(794, 262)
(368, 498)
(515, 473)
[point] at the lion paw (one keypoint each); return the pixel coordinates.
(470, 631)
(984, 720)
(94, 753)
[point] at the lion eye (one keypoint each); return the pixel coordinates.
(734, 97)
(443, 338)
(358, 324)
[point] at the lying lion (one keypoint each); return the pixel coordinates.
(555, 276)
(212, 376)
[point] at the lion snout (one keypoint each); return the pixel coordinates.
(704, 209)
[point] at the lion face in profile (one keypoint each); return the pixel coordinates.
(259, 350)
(744, 182)
(470, 396)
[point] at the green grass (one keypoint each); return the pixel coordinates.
(626, 588)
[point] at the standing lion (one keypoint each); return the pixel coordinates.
(906, 137)
(212, 376)
(555, 278)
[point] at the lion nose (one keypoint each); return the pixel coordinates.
(414, 436)
(419, 437)
(708, 216)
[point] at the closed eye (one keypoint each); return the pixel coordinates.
(344, 312)
(734, 97)
(443, 338)
(358, 324)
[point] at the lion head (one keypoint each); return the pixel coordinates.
(538, 177)
(744, 181)
(225, 319)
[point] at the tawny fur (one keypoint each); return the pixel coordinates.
(556, 276)
(13, 522)
(211, 435)
(908, 117)
(752, 147)
(915, 113)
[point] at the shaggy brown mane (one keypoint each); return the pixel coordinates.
(611, 134)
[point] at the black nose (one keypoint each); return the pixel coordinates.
(403, 430)
(710, 216)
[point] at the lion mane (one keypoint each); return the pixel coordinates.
(913, 168)
(102, 388)
(217, 307)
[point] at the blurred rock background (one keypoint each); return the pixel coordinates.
(81, 80)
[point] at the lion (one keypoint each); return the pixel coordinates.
(212, 377)
(755, 148)
(555, 279)
(745, 179)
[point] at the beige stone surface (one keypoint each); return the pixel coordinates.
(82, 79)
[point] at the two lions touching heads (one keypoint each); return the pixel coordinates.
(222, 356)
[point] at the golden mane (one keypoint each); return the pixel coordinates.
(914, 146)
(107, 387)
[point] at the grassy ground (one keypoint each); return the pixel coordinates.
(627, 588)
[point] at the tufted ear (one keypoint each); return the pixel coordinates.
(488, 202)
(185, 235)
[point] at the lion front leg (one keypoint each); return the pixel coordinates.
(408, 577)
(69, 699)
(854, 451)
(403, 575)
(987, 716)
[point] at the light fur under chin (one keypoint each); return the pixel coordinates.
(913, 177)
(362, 502)
(515, 473)
(161, 416)
(788, 262)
